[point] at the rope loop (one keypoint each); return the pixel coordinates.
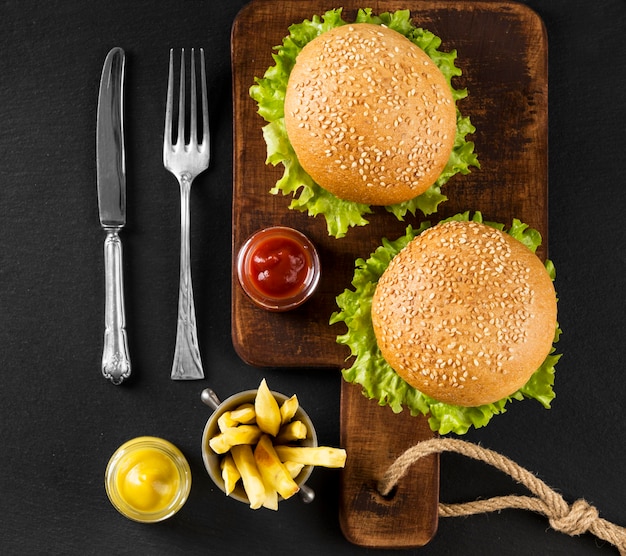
(574, 520)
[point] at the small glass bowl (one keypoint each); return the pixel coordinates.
(165, 449)
(212, 460)
(262, 298)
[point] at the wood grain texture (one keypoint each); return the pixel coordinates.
(502, 50)
(373, 438)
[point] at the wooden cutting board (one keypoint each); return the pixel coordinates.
(502, 50)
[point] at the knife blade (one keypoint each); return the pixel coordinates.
(111, 182)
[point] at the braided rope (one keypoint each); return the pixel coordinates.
(572, 520)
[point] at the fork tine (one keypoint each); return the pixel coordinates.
(205, 104)
(169, 107)
(193, 116)
(181, 101)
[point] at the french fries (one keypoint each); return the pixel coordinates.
(274, 473)
(234, 436)
(271, 498)
(296, 430)
(230, 473)
(259, 446)
(244, 414)
(293, 468)
(320, 456)
(268, 416)
(288, 409)
(250, 475)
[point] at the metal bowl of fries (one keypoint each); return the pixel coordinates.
(260, 447)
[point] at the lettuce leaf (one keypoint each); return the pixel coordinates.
(308, 196)
(381, 382)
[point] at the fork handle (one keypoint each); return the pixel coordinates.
(187, 364)
(115, 359)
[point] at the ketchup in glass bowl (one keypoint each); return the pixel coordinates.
(278, 268)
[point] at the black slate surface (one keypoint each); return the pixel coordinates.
(60, 420)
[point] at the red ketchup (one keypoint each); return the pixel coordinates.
(278, 268)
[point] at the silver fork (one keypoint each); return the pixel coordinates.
(186, 159)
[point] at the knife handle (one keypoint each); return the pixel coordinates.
(115, 359)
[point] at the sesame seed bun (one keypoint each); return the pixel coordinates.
(370, 116)
(465, 313)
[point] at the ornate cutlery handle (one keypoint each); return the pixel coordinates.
(187, 363)
(115, 359)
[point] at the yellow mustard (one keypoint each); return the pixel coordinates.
(148, 479)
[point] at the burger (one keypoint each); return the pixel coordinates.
(453, 321)
(367, 135)
(363, 114)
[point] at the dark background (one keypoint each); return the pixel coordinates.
(60, 421)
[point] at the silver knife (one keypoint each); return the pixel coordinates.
(111, 175)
